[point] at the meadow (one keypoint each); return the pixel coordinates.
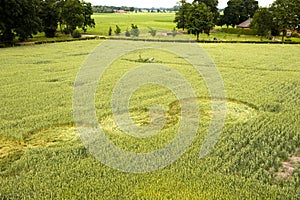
(159, 22)
(42, 157)
(124, 21)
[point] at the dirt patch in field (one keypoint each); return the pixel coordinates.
(7, 147)
(287, 168)
(44, 138)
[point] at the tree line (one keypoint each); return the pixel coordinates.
(24, 18)
(283, 15)
(201, 16)
(111, 9)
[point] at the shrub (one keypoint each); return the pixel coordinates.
(118, 30)
(50, 32)
(238, 31)
(174, 32)
(127, 33)
(76, 34)
(110, 31)
(295, 34)
(135, 30)
(152, 32)
(66, 31)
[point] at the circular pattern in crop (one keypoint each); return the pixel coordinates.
(147, 72)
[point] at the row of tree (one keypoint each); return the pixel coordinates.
(283, 15)
(24, 18)
(112, 9)
(202, 15)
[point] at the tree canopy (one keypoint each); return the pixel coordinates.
(182, 14)
(286, 15)
(262, 22)
(196, 17)
(283, 15)
(19, 18)
(238, 11)
(24, 18)
(200, 19)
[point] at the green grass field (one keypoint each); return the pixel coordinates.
(124, 21)
(158, 21)
(42, 157)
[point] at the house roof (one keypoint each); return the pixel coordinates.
(245, 24)
(121, 11)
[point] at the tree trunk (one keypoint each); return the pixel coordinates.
(197, 36)
(282, 39)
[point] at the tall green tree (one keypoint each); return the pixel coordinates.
(87, 11)
(249, 8)
(75, 14)
(182, 14)
(200, 19)
(286, 15)
(262, 22)
(238, 11)
(213, 7)
(232, 13)
(49, 15)
(71, 14)
(19, 18)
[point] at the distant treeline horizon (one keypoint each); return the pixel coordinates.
(112, 9)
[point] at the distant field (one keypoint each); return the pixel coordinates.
(157, 21)
(124, 21)
(41, 156)
(161, 22)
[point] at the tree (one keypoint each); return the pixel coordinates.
(49, 15)
(19, 18)
(200, 19)
(213, 7)
(249, 9)
(75, 13)
(232, 13)
(262, 22)
(87, 12)
(221, 20)
(72, 15)
(182, 14)
(238, 11)
(286, 14)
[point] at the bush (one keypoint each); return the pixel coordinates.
(127, 33)
(118, 30)
(135, 30)
(110, 31)
(66, 31)
(174, 32)
(76, 34)
(295, 34)
(50, 32)
(152, 32)
(238, 31)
